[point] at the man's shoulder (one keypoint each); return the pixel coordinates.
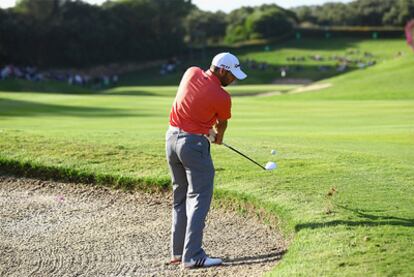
(220, 94)
(194, 70)
(225, 94)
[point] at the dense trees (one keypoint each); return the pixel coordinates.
(269, 21)
(204, 27)
(400, 13)
(236, 29)
(74, 33)
(265, 21)
(358, 13)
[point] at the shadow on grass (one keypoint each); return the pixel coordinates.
(316, 225)
(365, 215)
(146, 93)
(134, 93)
(247, 260)
(313, 72)
(9, 107)
(367, 220)
(51, 87)
(337, 44)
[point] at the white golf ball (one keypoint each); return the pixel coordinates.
(270, 166)
(273, 152)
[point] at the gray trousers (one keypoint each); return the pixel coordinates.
(192, 174)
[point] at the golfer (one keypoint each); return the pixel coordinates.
(201, 108)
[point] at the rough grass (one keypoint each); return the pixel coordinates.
(344, 189)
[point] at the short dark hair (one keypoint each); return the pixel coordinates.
(216, 68)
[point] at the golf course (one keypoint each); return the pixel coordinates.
(342, 195)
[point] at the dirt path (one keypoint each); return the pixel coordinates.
(313, 87)
(57, 229)
(307, 88)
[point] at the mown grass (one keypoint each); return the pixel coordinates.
(392, 80)
(344, 189)
(353, 49)
(169, 91)
(276, 56)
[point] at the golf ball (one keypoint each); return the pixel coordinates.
(273, 152)
(270, 166)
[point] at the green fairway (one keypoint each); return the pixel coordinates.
(351, 49)
(344, 187)
(278, 55)
(169, 91)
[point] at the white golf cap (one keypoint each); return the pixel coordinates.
(229, 62)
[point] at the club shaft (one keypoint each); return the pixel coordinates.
(240, 153)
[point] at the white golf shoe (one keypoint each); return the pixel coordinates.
(202, 262)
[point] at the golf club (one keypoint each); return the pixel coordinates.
(238, 152)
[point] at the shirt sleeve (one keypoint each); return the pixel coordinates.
(224, 109)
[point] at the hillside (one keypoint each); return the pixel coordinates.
(392, 79)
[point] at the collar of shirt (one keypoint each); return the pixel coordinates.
(213, 77)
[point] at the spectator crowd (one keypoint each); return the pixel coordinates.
(30, 73)
(352, 58)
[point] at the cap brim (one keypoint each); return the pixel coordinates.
(239, 74)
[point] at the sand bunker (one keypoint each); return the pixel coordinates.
(58, 229)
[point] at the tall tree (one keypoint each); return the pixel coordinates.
(269, 21)
(259, 22)
(72, 32)
(41, 10)
(370, 12)
(236, 30)
(400, 13)
(205, 27)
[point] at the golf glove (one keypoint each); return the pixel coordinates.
(212, 135)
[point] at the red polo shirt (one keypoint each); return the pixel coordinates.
(199, 102)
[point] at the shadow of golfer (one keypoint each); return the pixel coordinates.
(363, 214)
(366, 220)
(247, 260)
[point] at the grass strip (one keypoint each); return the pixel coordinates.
(64, 174)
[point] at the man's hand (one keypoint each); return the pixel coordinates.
(212, 135)
(220, 127)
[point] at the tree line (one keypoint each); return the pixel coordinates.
(268, 21)
(358, 13)
(74, 33)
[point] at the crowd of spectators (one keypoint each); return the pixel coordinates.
(28, 73)
(170, 66)
(98, 79)
(342, 62)
(352, 58)
(104, 76)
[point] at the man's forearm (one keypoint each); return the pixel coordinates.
(220, 127)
